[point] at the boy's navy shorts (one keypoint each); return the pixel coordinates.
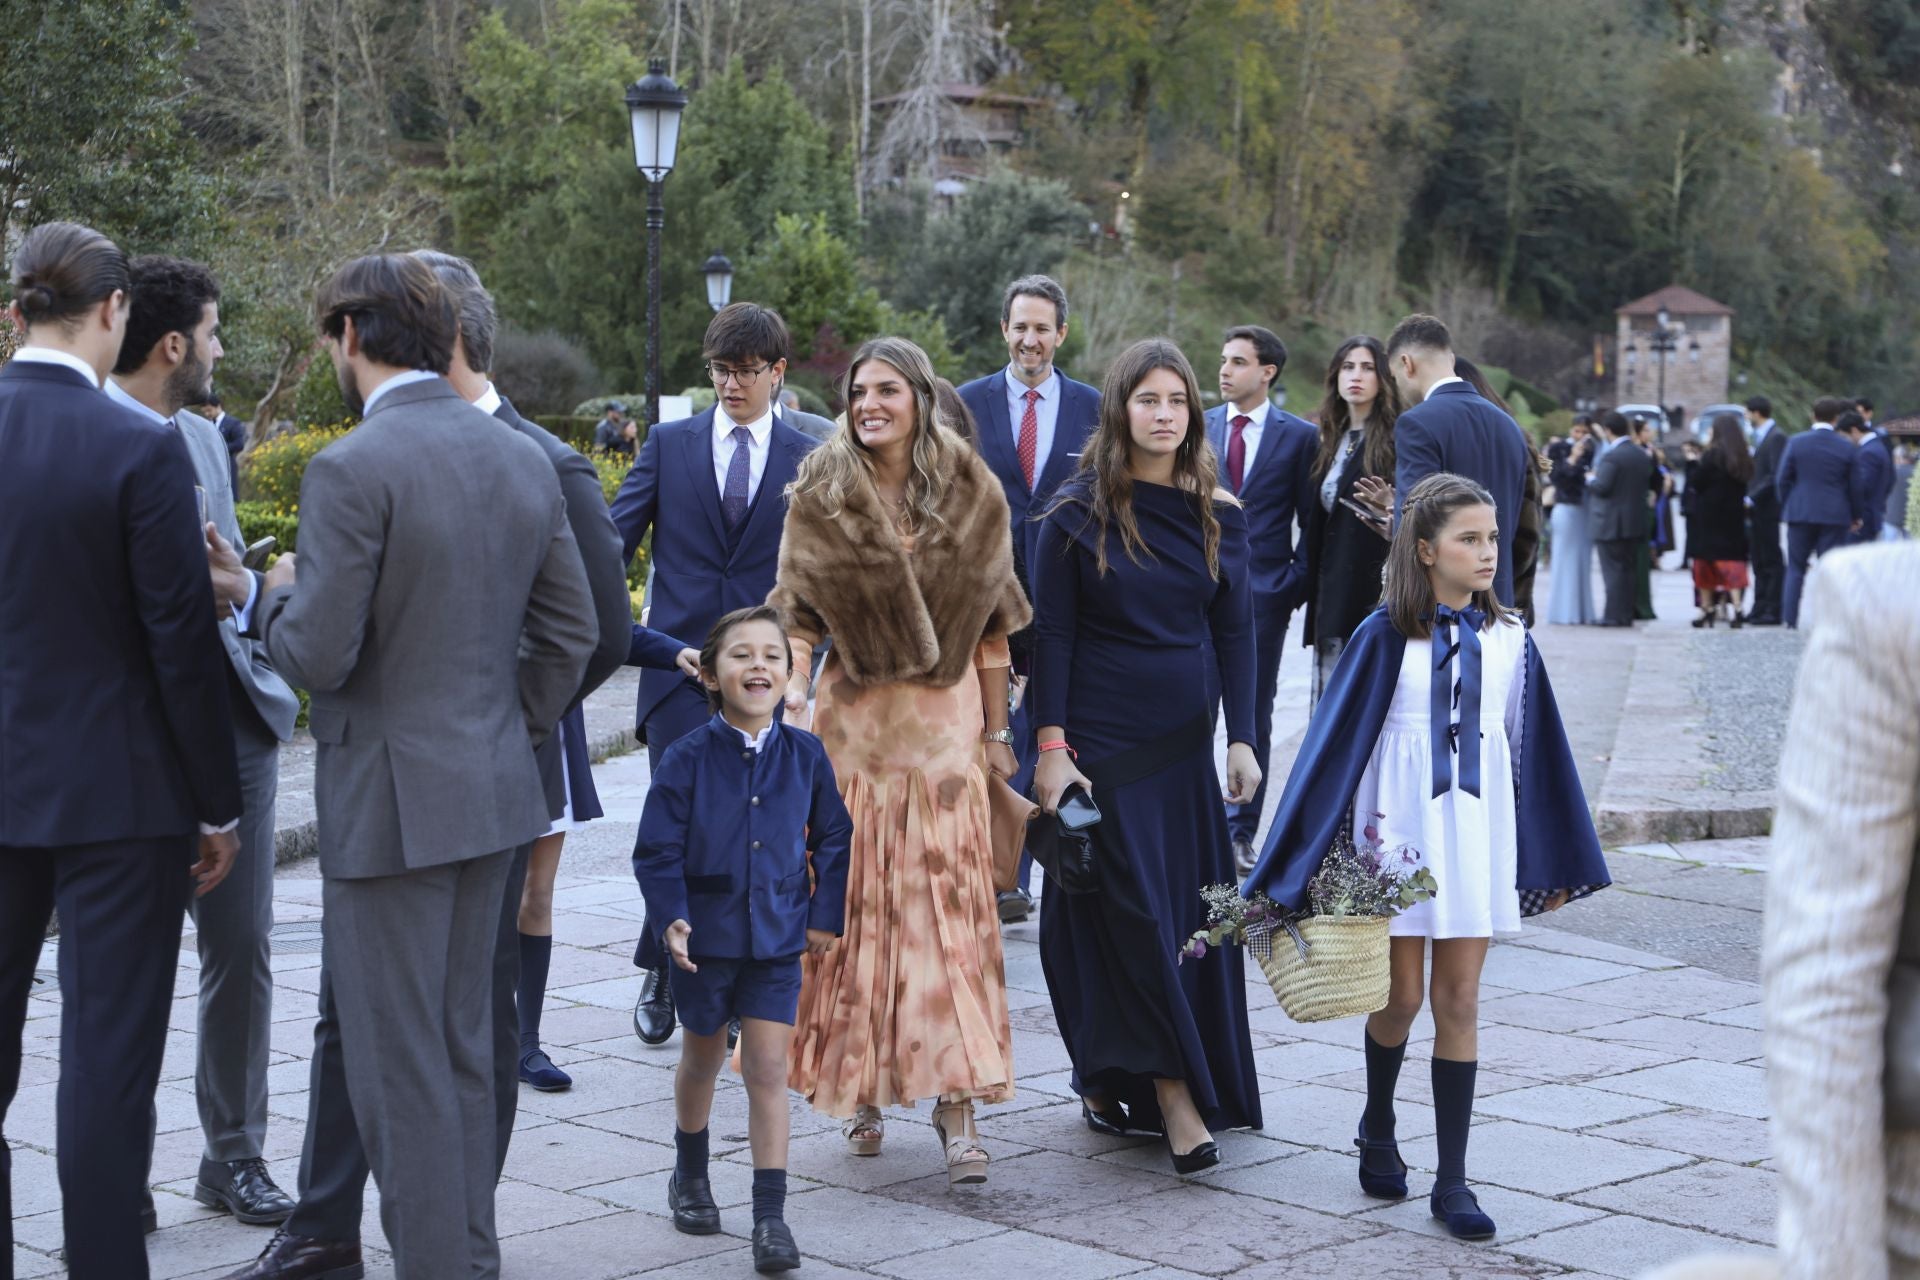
(727, 989)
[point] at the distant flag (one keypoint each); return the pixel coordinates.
(1599, 358)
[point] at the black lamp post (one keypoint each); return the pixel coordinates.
(719, 273)
(1665, 340)
(655, 103)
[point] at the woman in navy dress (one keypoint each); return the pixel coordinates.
(1139, 580)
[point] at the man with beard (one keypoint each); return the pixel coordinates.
(165, 364)
(1033, 420)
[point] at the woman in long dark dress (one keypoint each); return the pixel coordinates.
(1139, 580)
(1717, 521)
(1346, 554)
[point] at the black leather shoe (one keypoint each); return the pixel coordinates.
(694, 1211)
(773, 1246)
(291, 1257)
(244, 1189)
(1243, 858)
(1016, 905)
(1109, 1121)
(653, 1016)
(1204, 1156)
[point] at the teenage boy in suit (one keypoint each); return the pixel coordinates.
(1816, 497)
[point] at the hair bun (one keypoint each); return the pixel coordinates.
(34, 298)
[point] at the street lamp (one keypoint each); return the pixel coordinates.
(1665, 341)
(719, 274)
(654, 102)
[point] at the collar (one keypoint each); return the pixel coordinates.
(1823, 426)
(1258, 418)
(397, 380)
(1017, 389)
(1763, 428)
(755, 741)
(121, 396)
(760, 428)
(50, 355)
(1452, 377)
(489, 401)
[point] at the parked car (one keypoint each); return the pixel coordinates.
(1702, 425)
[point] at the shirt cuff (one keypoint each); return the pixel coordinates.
(208, 829)
(243, 616)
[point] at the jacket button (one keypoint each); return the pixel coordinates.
(746, 755)
(756, 844)
(755, 801)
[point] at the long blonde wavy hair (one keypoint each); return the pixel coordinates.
(829, 474)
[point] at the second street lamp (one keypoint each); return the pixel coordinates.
(654, 103)
(719, 273)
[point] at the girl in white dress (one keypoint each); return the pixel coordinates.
(1439, 591)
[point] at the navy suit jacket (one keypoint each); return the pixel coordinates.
(1815, 482)
(1456, 429)
(1276, 490)
(1872, 481)
(114, 720)
(986, 399)
(724, 840)
(699, 572)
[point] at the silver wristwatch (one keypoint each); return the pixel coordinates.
(1002, 736)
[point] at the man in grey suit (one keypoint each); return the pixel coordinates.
(1617, 506)
(165, 364)
(441, 622)
(807, 424)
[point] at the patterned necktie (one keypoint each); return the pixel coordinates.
(1029, 442)
(733, 502)
(1237, 451)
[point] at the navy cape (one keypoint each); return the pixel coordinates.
(1558, 850)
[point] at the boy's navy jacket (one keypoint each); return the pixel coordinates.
(724, 840)
(1815, 480)
(1558, 850)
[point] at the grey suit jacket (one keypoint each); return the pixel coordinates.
(1616, 498)
(1844, 844)
(441, 622)
(270, 695)
(807, 424)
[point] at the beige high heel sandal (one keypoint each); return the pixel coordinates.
(864, 1131)
(966, 1158)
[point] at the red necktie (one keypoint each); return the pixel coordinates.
(1237, 452)
(1029, 442)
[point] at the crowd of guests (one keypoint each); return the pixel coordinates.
(858, 634)
(1615, 497)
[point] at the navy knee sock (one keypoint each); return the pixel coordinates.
(769, 1194)
(1452, 1116)
(536, 953)
(1383, 1073)
(690, 1154)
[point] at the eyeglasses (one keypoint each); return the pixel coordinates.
(721, 374)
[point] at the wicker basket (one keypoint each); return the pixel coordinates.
(1345, 971)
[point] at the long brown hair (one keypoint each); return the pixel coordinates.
(1409, 591)
(830, 473)
(1105, 482)
(1335, 417)
(1730, 447)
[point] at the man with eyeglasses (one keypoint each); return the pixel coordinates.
(712, 489)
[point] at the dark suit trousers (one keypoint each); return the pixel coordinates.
(121, 907)
(1804, 542)
(672, 718)
(1269, 639)
(1617, 574)
(333, 1162)
(1769, 567)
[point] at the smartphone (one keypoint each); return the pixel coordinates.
(1077, 811)
(200, 504)
(255, 556)
(1365, 513)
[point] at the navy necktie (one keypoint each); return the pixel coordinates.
(733, 501)
(1448, 737)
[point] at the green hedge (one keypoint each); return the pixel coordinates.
(258, 520)
(271, 472)
(575, 428)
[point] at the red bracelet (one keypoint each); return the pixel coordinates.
(1060, 744)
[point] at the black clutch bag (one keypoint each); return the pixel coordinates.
(1060, 842)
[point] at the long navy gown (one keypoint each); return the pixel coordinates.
(1125, 663)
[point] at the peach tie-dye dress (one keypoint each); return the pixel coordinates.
(912, 1003)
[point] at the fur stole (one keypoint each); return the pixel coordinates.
(899, 617)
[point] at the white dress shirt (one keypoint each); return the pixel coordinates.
(397, 380)
(1452, 377)
(760, 432)
(1250, 436)
(489, 401)
(243, 615)
(1046, 413)
(48, 355)
(759, 740)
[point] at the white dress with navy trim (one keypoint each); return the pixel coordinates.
(1468, 842)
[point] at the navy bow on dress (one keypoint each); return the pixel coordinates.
(1450, 738)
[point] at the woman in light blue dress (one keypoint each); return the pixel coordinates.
(1570, 598)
